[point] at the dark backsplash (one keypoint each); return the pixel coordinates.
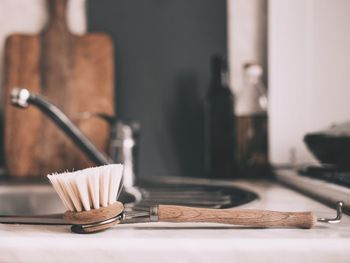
(163, 50)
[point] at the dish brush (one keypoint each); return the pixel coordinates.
(90, 197)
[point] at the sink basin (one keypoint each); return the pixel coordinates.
(194, 195)
(34, 199)
(29, 200)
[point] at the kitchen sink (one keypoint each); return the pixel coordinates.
(29, 199)
(40, 198)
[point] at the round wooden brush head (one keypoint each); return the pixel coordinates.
(94, 215)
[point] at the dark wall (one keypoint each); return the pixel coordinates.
(162, 57)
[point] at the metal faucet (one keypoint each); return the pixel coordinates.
(121, 146)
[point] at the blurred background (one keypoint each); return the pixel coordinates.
(163, 51)
(162, 73)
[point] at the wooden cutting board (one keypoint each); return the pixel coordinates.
(76, 73)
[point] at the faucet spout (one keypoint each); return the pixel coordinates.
(23, 98)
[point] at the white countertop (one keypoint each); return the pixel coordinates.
(167, 242)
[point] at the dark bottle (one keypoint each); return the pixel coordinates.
(220, 123)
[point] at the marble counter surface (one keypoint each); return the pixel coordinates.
(166, 242)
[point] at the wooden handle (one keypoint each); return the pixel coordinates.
(57, 10)
(244, 217)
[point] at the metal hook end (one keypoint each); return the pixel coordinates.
(338, 217)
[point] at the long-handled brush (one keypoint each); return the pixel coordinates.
(90, 196)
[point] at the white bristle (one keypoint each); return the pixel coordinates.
(115, 179)
(58, 189)
(88, 189)
(68, 182)
(94, 189)
(104, 185)
(83, 189)
(65, 193)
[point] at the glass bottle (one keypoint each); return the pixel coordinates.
(251, 122)
(220, 125)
